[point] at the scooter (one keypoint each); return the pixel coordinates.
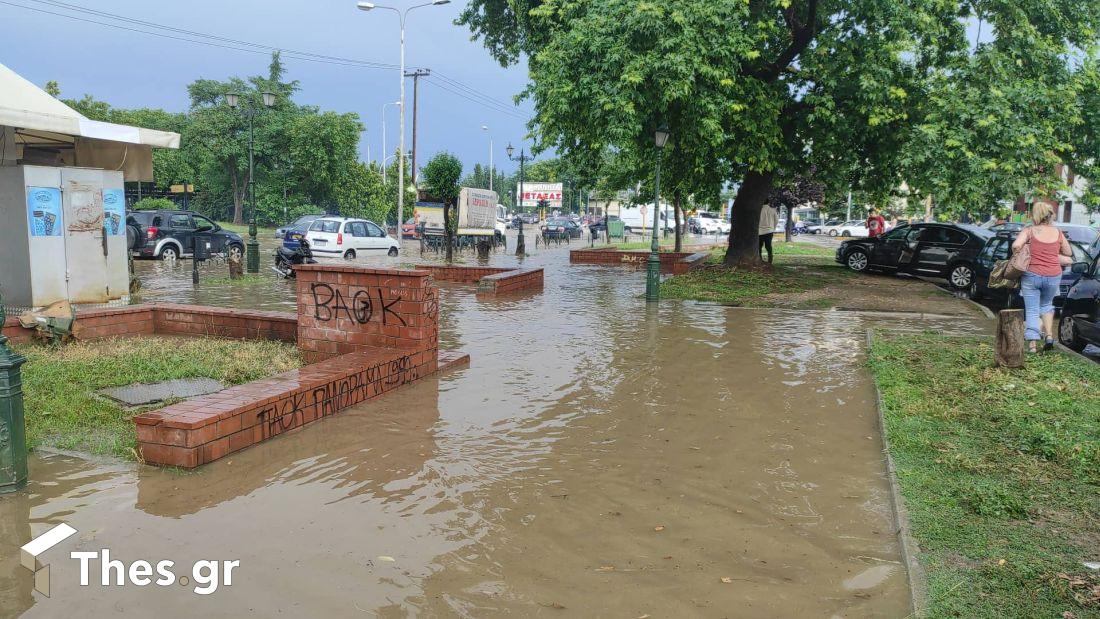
(287, 259)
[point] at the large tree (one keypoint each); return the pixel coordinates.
(441, 176)
(750, 87)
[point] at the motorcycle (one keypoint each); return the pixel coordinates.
(287, 259)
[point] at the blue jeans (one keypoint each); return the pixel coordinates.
(1038, 292)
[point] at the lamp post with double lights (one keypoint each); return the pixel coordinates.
(403, 15)
(653, 266)
(522, 159)
(250, 111)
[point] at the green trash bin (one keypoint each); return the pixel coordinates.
(616, 230)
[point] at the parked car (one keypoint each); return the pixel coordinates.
(855, 227)
(170, 234)
(949, 251)
(1087, 236)
(1080, 322)
(408, 229)
(819, 228)
(1008, 226)
(712, 223)
(301, 225)
(600, 224)
(999, 248)
(349, 238)
(562, 226)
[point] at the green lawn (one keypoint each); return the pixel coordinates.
(798, 267)
(242, 229)
(59, 384)
(1000, 471)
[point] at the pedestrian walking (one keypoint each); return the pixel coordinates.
(769, 219)
(1039, 284)
(876, 224)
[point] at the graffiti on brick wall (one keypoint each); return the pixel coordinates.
(433, 304)
(335, 396)
(329, 304)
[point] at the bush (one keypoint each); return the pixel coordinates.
(154, 204)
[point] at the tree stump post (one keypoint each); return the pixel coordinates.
(1010, 339)
(236, 268)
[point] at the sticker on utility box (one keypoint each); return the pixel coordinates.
(114, 211)
(44, 211)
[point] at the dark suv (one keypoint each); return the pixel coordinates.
(933, 250)
(1080, 323)
(171, 234)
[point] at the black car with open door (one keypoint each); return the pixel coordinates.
(1080, 322)
(948, 251)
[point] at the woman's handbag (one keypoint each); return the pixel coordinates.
(1020, 261)
(997, 277)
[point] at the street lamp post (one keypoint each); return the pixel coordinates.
(13, 441)
(486, 128)
(653, 266)
(522, 159)
(233, 99)
(402, 15)
(386, 155)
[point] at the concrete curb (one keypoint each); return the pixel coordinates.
(918, 585)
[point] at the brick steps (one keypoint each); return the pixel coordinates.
(489, 280)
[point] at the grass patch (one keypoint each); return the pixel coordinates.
(59, 384)
(242, 229)
(246, 279)
(1000, 470)
(798, 267)
(645, 245)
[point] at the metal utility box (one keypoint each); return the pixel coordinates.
(62, 236)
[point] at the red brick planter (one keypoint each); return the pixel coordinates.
(675, 263)
(489, 280)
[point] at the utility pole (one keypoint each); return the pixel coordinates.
(416, 75)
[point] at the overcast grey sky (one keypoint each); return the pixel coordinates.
(131, 69)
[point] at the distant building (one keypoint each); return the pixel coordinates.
(1070, 208)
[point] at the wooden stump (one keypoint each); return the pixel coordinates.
(1010, 339)
(236, 268)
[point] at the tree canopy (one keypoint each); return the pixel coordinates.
(868, 93)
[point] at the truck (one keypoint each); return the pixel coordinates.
(479, 214)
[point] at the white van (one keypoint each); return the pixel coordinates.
(633, 220)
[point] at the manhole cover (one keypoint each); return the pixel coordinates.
(137, 395)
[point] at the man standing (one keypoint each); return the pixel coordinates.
(876, 224)
(769, 219)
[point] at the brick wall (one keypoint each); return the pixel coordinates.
(206, 428)
(512, 281)
(671, 262)
(459, 274)
(173, 319)
(345, 308)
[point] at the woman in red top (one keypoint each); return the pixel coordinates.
(1039, 285)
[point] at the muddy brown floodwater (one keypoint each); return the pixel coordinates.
(597, 459)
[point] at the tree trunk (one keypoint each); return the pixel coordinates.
(676, 214)
(448, 235)
(238, 196)
(744, 244)
(1010, 339)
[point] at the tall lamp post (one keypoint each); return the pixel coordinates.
(486, 129)
(234, 101)
(653, 266)
(522, 159)
(403, 15)
(13, 441)
(386, 155)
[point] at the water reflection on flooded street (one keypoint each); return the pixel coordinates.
(597, 459)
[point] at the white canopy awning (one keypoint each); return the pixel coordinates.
(31, 117)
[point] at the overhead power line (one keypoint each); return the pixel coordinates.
(129, 24)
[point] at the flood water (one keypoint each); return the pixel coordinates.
(597, 459)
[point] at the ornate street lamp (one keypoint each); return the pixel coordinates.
(268, 100)
(653, 266)
(13, 441)
(522, 159)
